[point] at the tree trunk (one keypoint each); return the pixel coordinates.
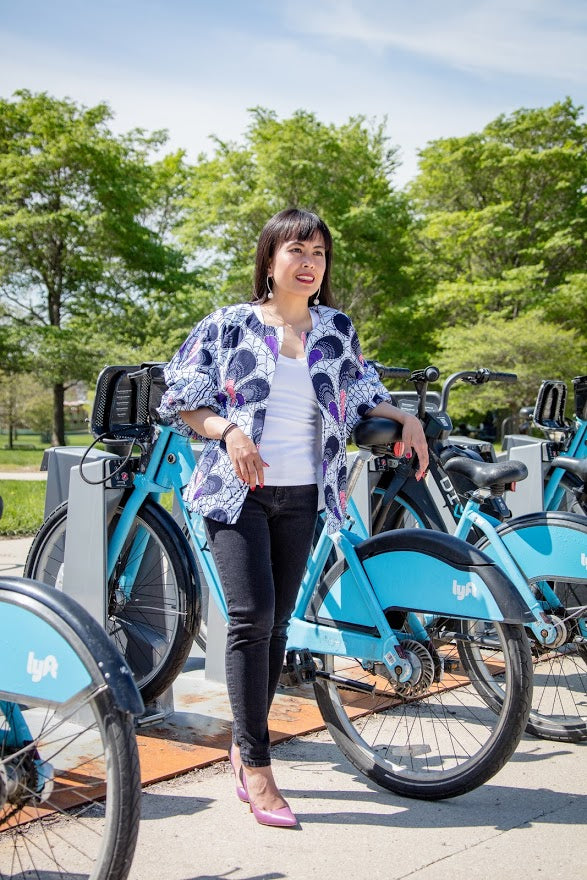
(58, 438)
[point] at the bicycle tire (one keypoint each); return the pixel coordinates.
(88, 823)
(404, 513)
(437, 744)
(559, 702)
(568, 500)
(155, 628)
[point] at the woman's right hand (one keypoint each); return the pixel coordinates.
(246, 461)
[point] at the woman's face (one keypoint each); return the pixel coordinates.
(297, 267)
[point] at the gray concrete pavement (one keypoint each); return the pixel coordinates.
(13, 554)
(528, 821)
(23, 475)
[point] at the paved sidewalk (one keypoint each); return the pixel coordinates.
(22, 475)
(13, 554)
(528, 821)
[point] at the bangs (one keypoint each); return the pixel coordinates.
(296, 225)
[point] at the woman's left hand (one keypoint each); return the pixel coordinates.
(413, 439)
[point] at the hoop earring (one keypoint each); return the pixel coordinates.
(269, 291)
(316, 299)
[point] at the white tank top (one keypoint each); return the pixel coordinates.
(290, 442)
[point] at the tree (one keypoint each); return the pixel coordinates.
(343, 173)
(510, 196)
(14, 360)
(85, 218)
(527, 345)
(502, 217)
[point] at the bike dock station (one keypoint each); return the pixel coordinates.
(529, 494)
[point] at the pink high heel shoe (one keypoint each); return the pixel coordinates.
(281, 818)
(240, 785)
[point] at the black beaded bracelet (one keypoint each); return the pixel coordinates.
(227, 431)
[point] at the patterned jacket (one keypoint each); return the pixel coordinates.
(227, 363)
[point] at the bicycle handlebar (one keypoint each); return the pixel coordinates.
(474, 377)
(391, 372)
(422, 378)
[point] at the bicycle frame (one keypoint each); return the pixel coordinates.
(576, 448)
(39, 666)
(522, 560)
(358, 627)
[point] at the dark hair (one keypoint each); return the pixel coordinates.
(293, 224)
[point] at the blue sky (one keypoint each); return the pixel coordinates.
(433, 68)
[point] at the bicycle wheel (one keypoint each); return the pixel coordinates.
(154, 627)
(405, 514)
(434, 739)
(70, 798)
(559, 701)
(568, 499)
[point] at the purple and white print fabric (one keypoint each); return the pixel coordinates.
(228, 362)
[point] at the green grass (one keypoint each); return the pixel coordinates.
(28, 451)
(20, 459)
(24, 505)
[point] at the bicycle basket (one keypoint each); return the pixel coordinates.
(549, 410)
(126, 401)
(580, 388)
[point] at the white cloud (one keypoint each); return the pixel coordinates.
(409, 62)
(533, 38)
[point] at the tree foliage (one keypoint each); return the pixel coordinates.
(344, 173)
(527, 345)
(502, 222)
(511, 195)
(84, 230)
(110, 252)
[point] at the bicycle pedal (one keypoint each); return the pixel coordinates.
(299, 668)
(450, 664)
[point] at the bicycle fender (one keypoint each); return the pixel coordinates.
(435, 573)
(38, 661)
(546, 546)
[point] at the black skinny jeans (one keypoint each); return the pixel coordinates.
(261, 561)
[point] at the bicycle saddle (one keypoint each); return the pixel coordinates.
(376, 432)
(484, 474)
(577, 466)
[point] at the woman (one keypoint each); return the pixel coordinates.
(276, 386)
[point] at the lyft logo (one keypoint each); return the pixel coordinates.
(38, 669)
(461, 591)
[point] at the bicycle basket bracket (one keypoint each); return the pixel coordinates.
(549, 411)
(126, 401)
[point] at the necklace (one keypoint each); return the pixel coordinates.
(297, 329)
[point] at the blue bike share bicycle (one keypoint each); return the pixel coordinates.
(543, 553)
(69, 769)
(378, 632)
